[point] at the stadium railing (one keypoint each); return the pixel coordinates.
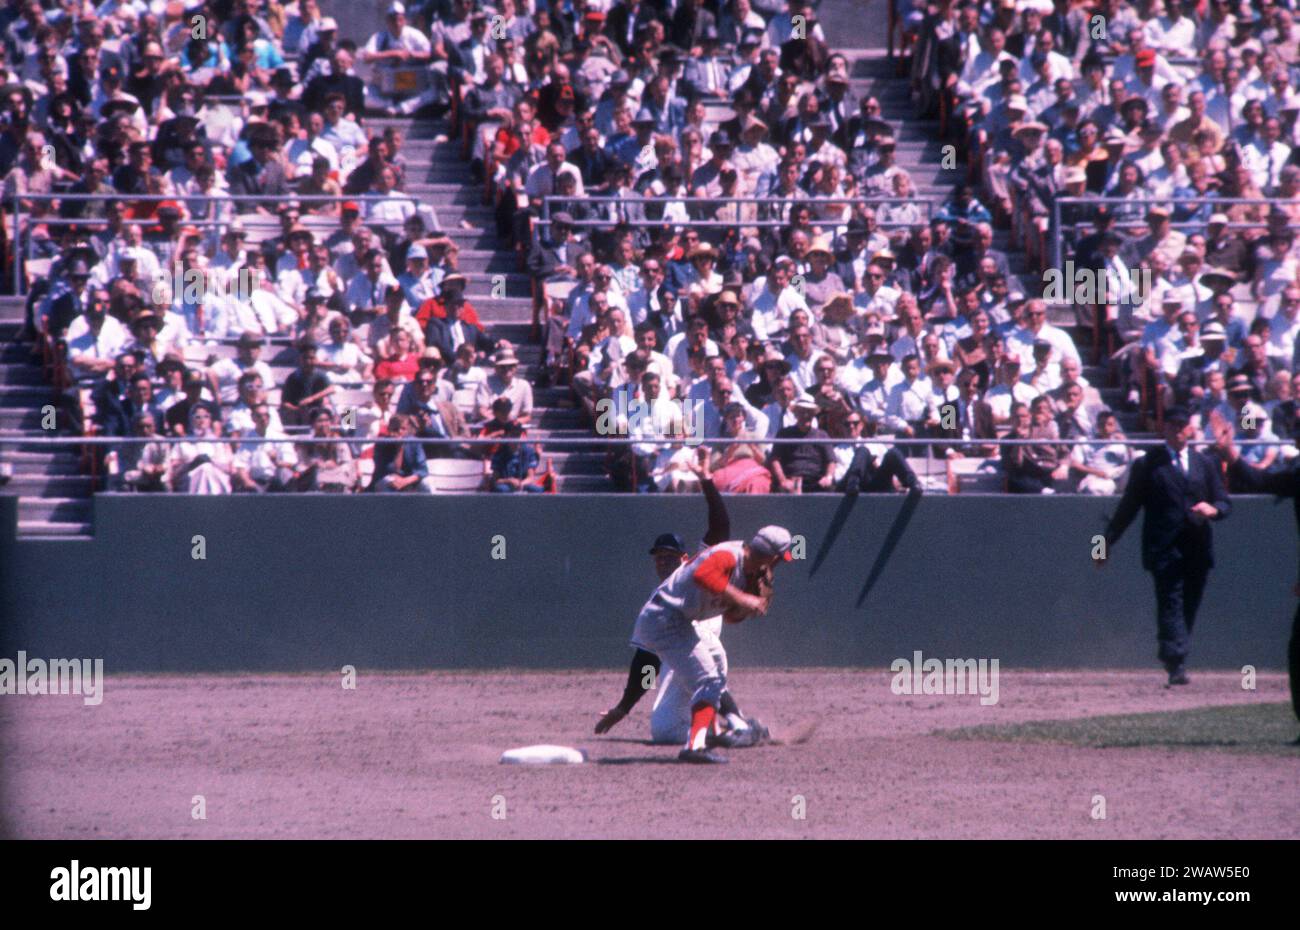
(18, 217)
(982, 471)
(761, 222)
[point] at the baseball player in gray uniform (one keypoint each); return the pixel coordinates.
(723, 579)
(670, 718)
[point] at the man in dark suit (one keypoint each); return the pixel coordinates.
(446, 333)
(974, 417)
(557, 254)
(1181, 491)
(1284, 483)
(340, 80)
(626, 19)
(869, 475)
(262, 174)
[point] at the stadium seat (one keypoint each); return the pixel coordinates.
(980, 476)
(457, 475)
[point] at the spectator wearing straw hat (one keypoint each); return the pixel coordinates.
(224, 374)
(505, 382)
(798, 467)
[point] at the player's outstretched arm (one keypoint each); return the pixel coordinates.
(644, 667)
(719, 521)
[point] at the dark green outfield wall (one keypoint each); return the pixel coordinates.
(404, 582)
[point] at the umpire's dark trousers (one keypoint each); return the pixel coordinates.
(1179, 588)
(1293, 663)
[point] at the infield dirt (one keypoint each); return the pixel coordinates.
(416, 755)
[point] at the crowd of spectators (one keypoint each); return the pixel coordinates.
(250, 213)
(835, 306)
(719, 235)
(1179, 119)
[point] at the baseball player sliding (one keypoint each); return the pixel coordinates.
(670, 718)
(724, 578)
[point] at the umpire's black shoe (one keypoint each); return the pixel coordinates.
(1178, 677)
(701, 757)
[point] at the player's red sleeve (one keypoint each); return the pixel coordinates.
(714, 573)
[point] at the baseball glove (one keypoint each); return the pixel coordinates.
(761, 585)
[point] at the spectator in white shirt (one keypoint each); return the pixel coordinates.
(1266, 155)
(265, 466)
(95, 339)
(1284, 328)
(224, 373)
(909, 400)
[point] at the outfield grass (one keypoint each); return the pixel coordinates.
(1251, 728)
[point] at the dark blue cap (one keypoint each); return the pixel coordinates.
(669, 542)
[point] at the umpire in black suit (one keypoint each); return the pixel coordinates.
(1181, 491)
(1283, 483)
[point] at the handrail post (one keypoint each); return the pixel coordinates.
(17, 245)
(1055, 260)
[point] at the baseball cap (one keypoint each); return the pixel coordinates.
(416, 251)
(668, 542)
(772, 540)
(395, 8)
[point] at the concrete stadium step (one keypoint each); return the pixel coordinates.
(25, 419)
(585, 484)
(445, 192)
(40, 463)
(24, 394)
(50, 486)
(504, 309)
(15, 374)
(517, 333)
(453, 214)
(513, 283)
(473, 238)
(55, 531)
(65, 510)
(478, 261)
(586, 464)
(559, 418)
(14, 352)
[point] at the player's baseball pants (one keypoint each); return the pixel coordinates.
(688, 654)
(670, 720)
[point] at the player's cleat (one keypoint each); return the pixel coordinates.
(735, 739)
(701, 757)
(761, 733)
(1178, 677)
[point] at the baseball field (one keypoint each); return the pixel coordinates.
(1072, 754)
